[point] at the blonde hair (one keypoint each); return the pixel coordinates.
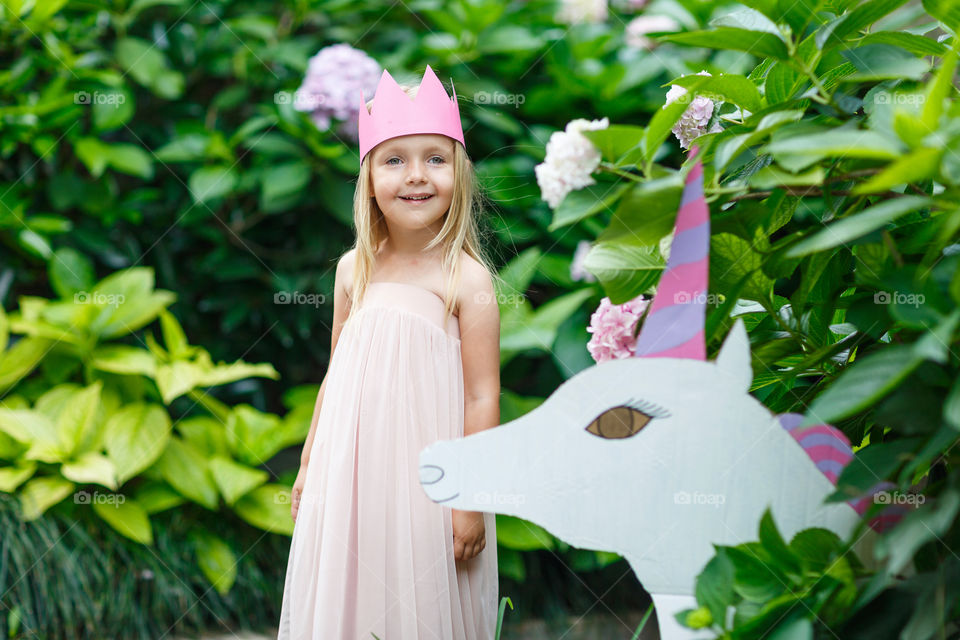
(460, 231)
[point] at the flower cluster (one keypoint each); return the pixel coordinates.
(335, 77)
(693, 122)
(613, 329)
(577, 11)
(637, 29)
(577, 272)
(570, 160)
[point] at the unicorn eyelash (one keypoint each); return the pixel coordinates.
(651, 409)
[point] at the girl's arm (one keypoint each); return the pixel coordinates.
(341, 307)
(479, 349)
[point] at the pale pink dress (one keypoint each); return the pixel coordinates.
(371, 553)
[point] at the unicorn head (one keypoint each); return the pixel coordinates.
(656, 457)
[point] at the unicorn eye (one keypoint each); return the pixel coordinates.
(626, 420)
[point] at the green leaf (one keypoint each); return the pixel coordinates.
(135, 437)
(70, 271)
(614, 141)
(21, 359)
(77, 424)
(754, 578)
(714, 587)
(758, 43)
(646, 213)
(124, 359)
(186, 470)
(624, 270)
(13, 477)
(946, 11)
(816, 548)
(850, 228)
(284, 179)
(733, 258)
(148, 66)
(126, 301)
(917, 45)
(730, 88)
(586, 202)
(928, 523)
(156, 496)
(217, 561)
(882, 62)
(915, 167)
(871, 465)
(235, 480)
(267, 507)
(127, 517)
(40, 494)
(771, 540)
(862, 16)
(518, 534)
(112, 108)
(91, 466)
(940, 89)
(862, 384)
(207, 183)
(846, 142)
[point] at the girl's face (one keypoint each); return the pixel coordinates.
(413, 165)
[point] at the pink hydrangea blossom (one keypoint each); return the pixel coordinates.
(613, 327)
(637, 29)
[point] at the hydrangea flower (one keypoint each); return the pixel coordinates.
(693, 122)
(631, 6)
(329, 90)
(638, 28)
(613, 327)
(577, 11)
(577, 272)
(570, 160)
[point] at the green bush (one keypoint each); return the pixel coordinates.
(83, 409)
(832, 184)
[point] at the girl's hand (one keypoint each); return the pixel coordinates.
(468, 534)
(297, 491)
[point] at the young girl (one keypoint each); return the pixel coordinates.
(415, 358)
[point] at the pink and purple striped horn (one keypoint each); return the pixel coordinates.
(674, 327)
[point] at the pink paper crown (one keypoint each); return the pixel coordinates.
(395, 114)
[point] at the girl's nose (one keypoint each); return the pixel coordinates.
(415, 172)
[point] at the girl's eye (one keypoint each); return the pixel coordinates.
(440, 158)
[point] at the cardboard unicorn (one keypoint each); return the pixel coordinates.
(658, 456)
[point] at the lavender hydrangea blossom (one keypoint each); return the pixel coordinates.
(693, 122)
(335, 76)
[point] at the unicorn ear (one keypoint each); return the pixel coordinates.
(734, 356)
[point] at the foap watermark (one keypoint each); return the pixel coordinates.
(898, 297)
(499, 98)
(884, 97)
(699, 498)
(304, 100)
(899, 498)
(98, 298)
(485, 497)
(698, 297)
(114, 98)
(299, 297)
(85, 497)
(503, 299)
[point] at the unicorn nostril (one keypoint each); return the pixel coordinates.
(430, 474)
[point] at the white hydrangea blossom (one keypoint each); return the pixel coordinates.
(577, 271)
(577, 11)
(570, 160)
(636, 32)
(693, 122)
